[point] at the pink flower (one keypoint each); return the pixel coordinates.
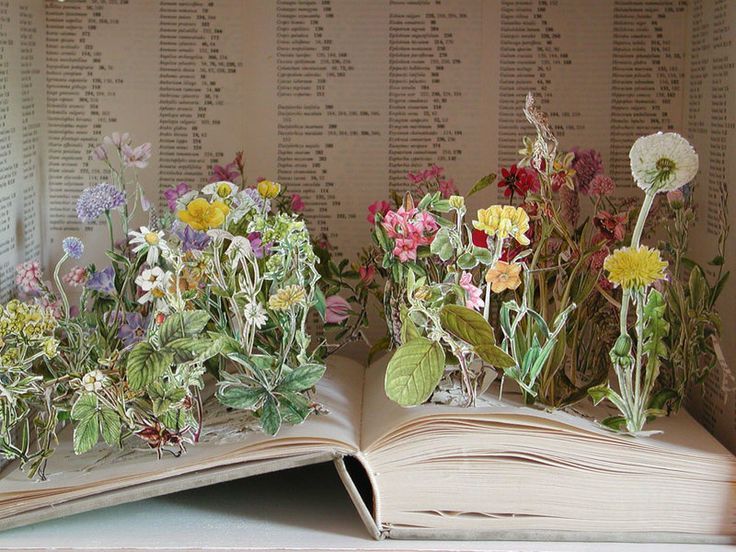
(337, 310)
(448, 188)
(676, 199)
(381, 207)
(99, 153)
(587, 164)
(611, 227)
(409, 230)
(28, 276)
(54, 306)
(602, 185)
(434, 172)
(172, 194)
(227, 172)
(297, 204)
(76, 277)
(367, 273)
(137, 157)
(405, 249)
(473, 294)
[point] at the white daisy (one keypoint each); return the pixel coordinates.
(93, 381)
(255, 314)
(220, 190)
(154, 282)
(663, 162)
(150, 241)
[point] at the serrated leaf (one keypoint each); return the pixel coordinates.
(414, 371)
(495, 356)
(302, 378)
(146, 364)
(85, 407)
(174, 419)
(189, 349)
(270, 417)
(468, 325)
(183, 324)
(110, 425)
(86, 433)
(482, 184)
(241, 397)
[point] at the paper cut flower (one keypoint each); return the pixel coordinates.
(503, 276)
(503, 222)
(635, 268)
(97, 200)
(150, 241)
(220, 190)
(473, 294)
(268, 189)
(202, 215)
(337, 310)
(287, 297)
(663, 162)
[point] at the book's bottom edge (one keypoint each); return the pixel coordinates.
(414, 533)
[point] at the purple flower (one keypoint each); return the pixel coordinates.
(250, 196)
(99, 153)
(191, 239)
(133, 329)
(259, 248)
(228, 172)
(98, 200)
(136, 157)
(102, 281)
(172, 194)
(587, 164)
(73, 247)
(117, 139)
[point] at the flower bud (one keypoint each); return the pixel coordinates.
(457, 202)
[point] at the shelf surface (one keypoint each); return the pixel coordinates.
(303, 509)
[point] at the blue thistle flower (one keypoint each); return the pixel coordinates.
(73, 247)
(98, 200)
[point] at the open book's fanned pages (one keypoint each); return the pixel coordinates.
(505, 471)
(229, 448)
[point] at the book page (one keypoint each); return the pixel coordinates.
(711, 127)
(22, 132)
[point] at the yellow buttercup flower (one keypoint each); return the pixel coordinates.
(287, 297)
(503, 221)
(202, 215)
(634, 268)
(503, 276)
(268, 189)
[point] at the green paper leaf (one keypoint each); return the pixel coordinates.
(321, 302)
(189, 349)
(270, 417)
(294, 408)
(495, 356)
(145, 364)
(85, 407)
(467, 261)
(468, 325)
(482, 184)
(442, 245)
(183, 324)
(414, 371)
(302, 378)
(111, 426)
(241, 397)
(86, 433)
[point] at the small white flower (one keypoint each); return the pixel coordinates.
(663, 162)
(240, 248)
(93, 381)
(255, 314)
(220, 190)
(219, 235)
(154, 282)
(150, 241)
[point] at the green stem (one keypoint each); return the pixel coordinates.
(110, 230)
(57, 280)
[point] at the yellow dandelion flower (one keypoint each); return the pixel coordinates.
(503, 276)
(503, 221)
(287, 297)
(268, 189)
(202, 215)
(634, 268)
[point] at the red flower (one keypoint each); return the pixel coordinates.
(611, 228)
(480, 238)
(381, 207)
(517, 181)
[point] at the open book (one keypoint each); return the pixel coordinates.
(497, 471)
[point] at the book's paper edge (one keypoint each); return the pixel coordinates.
(365, 514)
(414, 533)
(169, 485)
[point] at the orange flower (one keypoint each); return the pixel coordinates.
(503, 276)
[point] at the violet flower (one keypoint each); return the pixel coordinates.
(102, 281)
(172, 194)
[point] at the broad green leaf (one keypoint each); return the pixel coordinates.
(294, 408)
(85, 407)
(241, 397)
(183, 324)
(302, 378)
(146, 364)
(414, 371)
(86, 433)
(111, 426)
(483, 255)
(174, 419)
(468, 325)
(270, 417)
(189, 349)
(409, 330)
(442, 245)
(321, 302)
(482, 184)
(467, 261)
(495, 356)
